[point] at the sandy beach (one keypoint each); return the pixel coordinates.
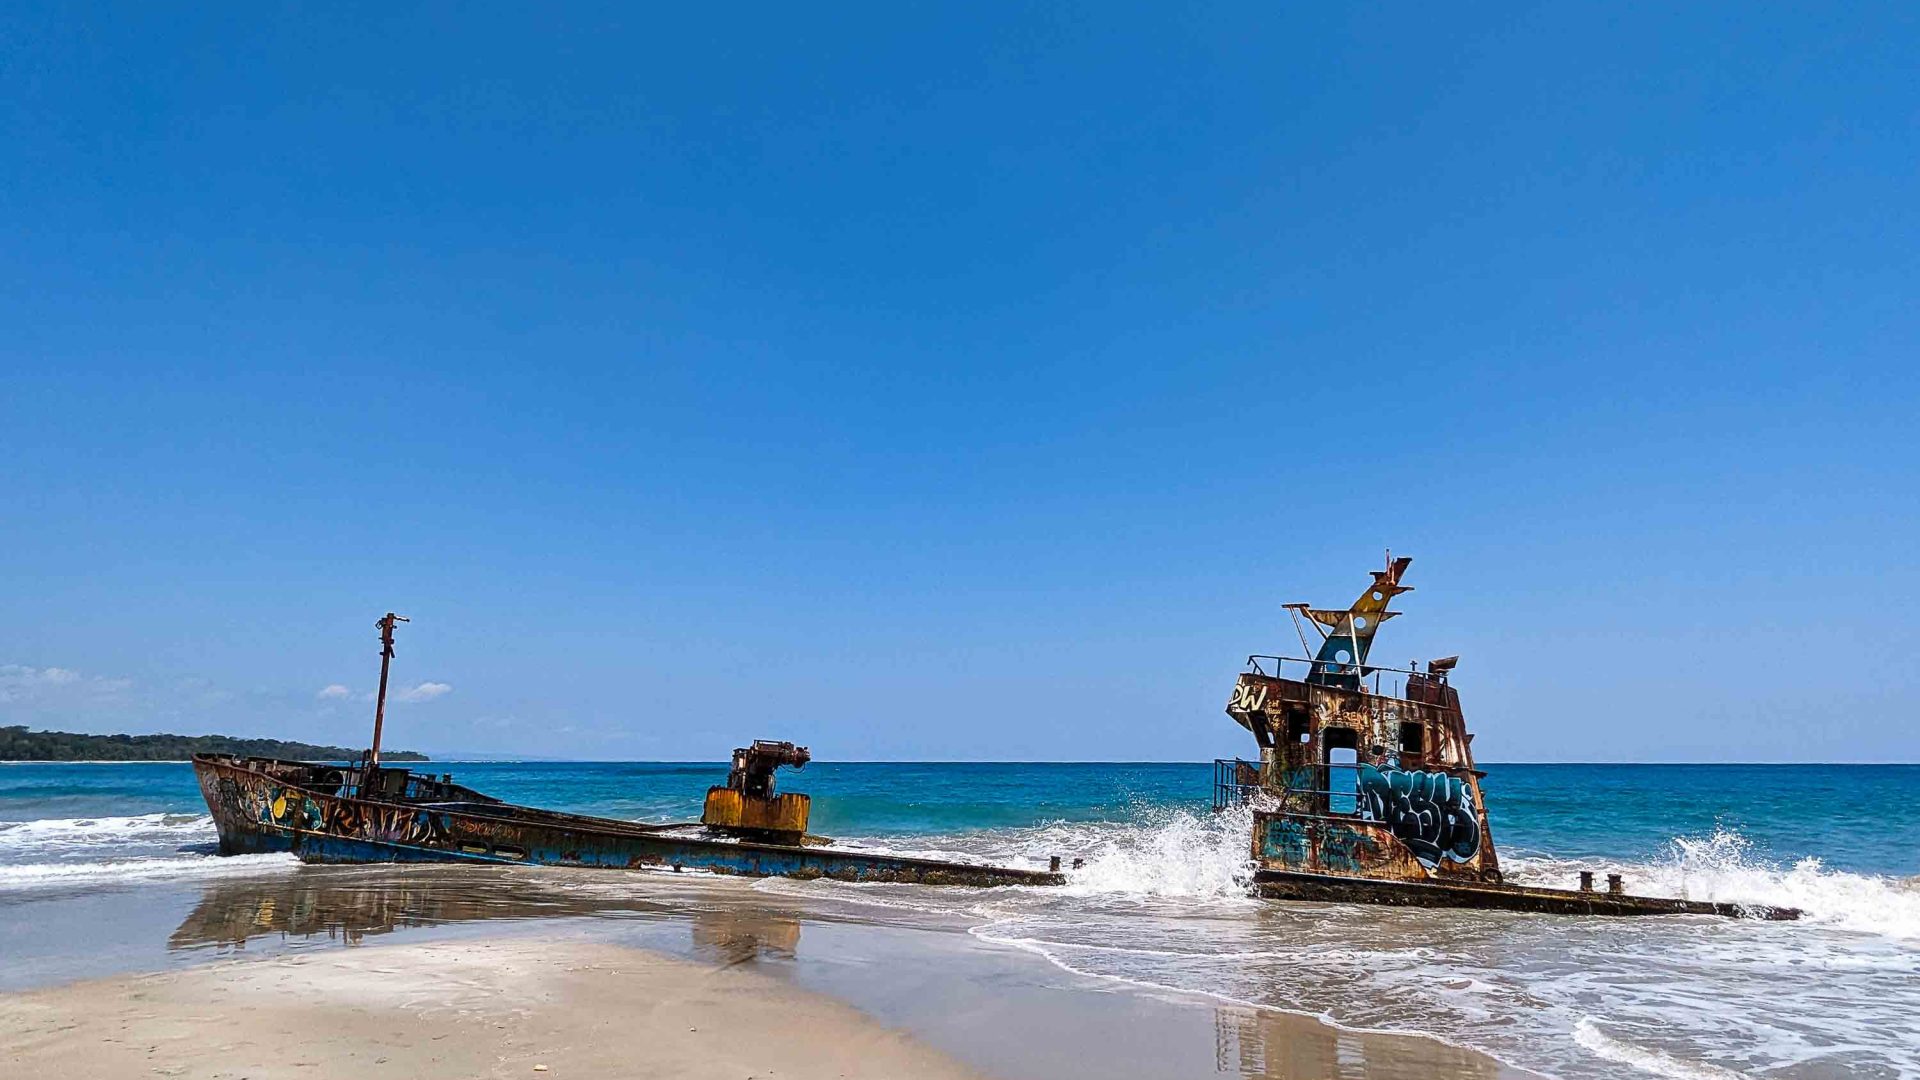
(514, 1007)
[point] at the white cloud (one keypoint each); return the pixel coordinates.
(20, 683)
(333, 692)
(425, 691)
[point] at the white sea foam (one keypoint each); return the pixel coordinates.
(1169, 853)
(1723, 867)
(1161, 904)
(1659, 1062)
(67, 833)
(103, 851)
(1163, 853)
(41, 875)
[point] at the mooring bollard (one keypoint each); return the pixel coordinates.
(1053, 865)
(1616, 887)
(1586, 881)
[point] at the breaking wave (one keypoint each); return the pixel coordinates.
(1724, 867)
(1160, 852)
(65, 834)
(102, 851)
(39, 875)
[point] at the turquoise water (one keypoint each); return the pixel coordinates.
(1162, 901)
(1850, 817)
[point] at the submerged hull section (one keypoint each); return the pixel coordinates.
(1287, 885)
(318, 814)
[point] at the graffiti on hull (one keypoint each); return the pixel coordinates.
(1430, 812)
(289, 809)
(1330, 846)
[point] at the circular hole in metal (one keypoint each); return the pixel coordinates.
(1342, 655)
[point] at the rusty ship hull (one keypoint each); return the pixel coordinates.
(356, 814)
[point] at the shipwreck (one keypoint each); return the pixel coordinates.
(367, 812)
(1370, 795)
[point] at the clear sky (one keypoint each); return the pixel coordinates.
(958, 382)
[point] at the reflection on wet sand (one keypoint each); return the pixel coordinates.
(1261, 1045)
(347, 904)
(728, 938)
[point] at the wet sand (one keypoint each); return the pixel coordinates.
(437, 973)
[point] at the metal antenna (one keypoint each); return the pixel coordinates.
(385, 625)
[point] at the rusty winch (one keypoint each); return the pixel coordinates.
(747, 804)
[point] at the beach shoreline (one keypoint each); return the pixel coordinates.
(513, 1006)
(720, 998)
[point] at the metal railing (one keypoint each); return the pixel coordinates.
(1253, 661)
(1348, 669)
(1231, 784)
(1231, 788)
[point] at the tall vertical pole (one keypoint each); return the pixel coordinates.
(385, 623)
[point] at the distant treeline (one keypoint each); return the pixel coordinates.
(19, 744)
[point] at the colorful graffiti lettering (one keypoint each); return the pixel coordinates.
(1345, 851)
(1430, 812)
(1286, 841)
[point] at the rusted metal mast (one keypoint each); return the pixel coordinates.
(385, 624)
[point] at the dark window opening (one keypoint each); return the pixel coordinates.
(1299, 729)
(1413, 739)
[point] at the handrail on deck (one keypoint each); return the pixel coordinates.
(1228, 791)
(1339, 667)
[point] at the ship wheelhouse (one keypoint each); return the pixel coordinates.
(1364, 771)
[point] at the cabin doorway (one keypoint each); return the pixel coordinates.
(1340, 770)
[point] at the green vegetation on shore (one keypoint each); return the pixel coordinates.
(19, 744)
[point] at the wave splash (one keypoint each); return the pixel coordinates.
(38, 875)
(106, 850)
(54, 833)
(1723, 866)
(1158, 852)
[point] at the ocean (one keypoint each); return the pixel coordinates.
(1161, 904)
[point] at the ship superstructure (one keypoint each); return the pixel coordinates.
(1366, 787)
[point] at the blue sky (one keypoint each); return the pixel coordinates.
(939, 382)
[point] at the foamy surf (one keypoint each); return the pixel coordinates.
(49, 833)
(1723, 866)
(1658, 1062)
(1163, 852)
(1162, 904)
(41, 875)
